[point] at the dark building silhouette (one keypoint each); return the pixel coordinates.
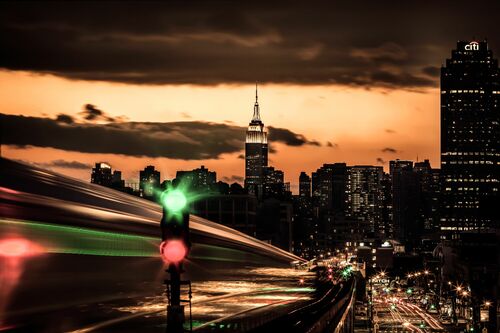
(407, 225)
(116, 181)
(102, 175)
(198, 179)
(236, 210)
(274, 223)
(470, 155)
(329, 187)
(304, 185)
(256, 152)
(149, 182)
(386, 212)
(429, 196)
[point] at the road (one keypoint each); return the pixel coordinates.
(396, 312)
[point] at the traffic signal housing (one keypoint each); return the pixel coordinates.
(175, 244)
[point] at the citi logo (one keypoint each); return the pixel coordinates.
(472, 46)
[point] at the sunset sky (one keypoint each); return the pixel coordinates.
(172, 85)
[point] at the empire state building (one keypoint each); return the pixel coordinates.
(255, 151)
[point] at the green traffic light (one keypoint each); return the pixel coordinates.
(174, 200)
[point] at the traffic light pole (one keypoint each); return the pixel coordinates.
(174, 249)
(175, 311)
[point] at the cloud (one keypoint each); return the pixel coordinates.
(66, 164)
(241, 156)
(64, 118)
(389, 150)
(380, 160)
(289, 138)
(233, 42)
(390, 131)
(92, 113)
(431, 71)
(233, 179)
(189, 140)
(331, 144)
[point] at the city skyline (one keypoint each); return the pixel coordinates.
(250, 166)
(380, 100)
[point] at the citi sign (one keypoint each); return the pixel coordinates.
(472, 46)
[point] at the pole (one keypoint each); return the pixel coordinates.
(175, 311)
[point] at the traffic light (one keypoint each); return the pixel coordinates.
(174, 226)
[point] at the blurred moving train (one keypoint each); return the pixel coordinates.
(70, 249)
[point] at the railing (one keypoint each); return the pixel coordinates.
(339, 318)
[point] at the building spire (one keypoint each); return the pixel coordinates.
(256, 109)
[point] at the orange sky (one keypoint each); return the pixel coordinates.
(355, 119)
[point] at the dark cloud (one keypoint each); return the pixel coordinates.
(380, 160)
(66, 164)
(389, 150)
(241, 156)
(190, 140)
(331, 144)
(233, 179)
(92, 113)
(65, 118)
(390, 131)
(431, 71)
(390, 44)
(288, 137)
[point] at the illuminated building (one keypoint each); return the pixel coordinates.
(364, 197)
(470, 161)
(329, 187)
(101, 174)
(149, 181)
(198, 179)
(256, 151)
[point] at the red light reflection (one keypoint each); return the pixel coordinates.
(18, 247)
(13, 252)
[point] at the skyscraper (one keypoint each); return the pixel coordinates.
(364, 197)
(101, 174)
(304, 185)
(198, 179)
(255, 151)
(470, 156)
(407, 226)
(149, 181)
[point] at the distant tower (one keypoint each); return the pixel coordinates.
(255, 151)
(304, 185)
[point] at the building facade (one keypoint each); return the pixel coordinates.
(470, 156)
(101, 174)
(149, 181)
(365, 198)
(304, 185)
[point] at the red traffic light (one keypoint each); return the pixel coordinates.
(173, 251)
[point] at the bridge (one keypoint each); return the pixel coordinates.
(79, 257)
